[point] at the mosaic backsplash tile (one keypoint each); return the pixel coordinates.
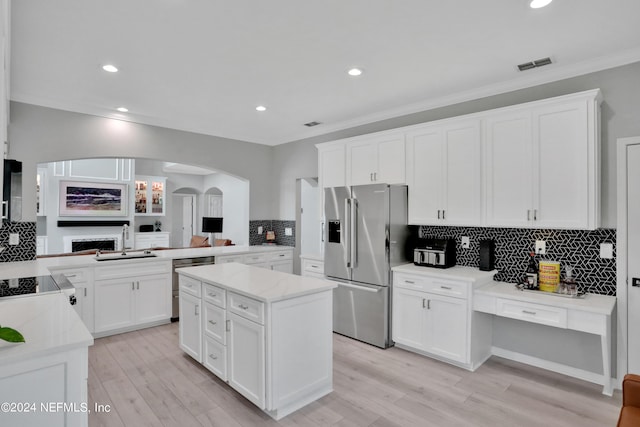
(26, 249)
(577, 248)
(277, 226)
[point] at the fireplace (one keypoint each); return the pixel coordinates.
(109, 242)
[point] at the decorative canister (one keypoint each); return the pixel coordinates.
(549, 275)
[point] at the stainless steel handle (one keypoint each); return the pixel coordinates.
(446, 287)
(535, 214)
(428, 304)
(5, 209)
(211, 294)
(282, 255)
(533, 313)
(410, 282)
(375, 176)
(424, 303)
(213, 357)
(322, 237)
(176, 296)
(228, 325)
(138, 285)
(528, 214)
(371, 177)
(346, 229)
(354, 232)
(443, 214)
(85, 292)
(244, 307)
(361, 288)
(70, 275)
(197, 312)
(212, 322)
(314, 266)
(438, 213)
(133, 286)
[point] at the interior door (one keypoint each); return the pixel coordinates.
(188, 227)
(370, 213)
(633, 257)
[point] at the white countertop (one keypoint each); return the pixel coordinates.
(41, 266)
(602, 304)
(258, 283)
(457, 272)
(48, 323)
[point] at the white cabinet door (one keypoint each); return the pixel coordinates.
(362, 162)
(561, 196)
(114, 306)
(424, 175)
(153, 298)
(190, 326)
(391, 161)
(84, 303)
(446, 333)
(331, 166)
(409, 318)
(509, 169)
(284, 266)
(246, 359)
(462, 189)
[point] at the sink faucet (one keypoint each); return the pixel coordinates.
(125, 229)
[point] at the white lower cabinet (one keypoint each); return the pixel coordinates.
(432, 314)
(190, 329)
(131, 295)
(82, 280)
(246, 354)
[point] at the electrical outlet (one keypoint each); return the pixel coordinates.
(465, 242)
(260, 230)
(288, 231)
(606, 250)
(541, 247)
(14, 239)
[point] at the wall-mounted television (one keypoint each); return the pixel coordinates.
(211, 224)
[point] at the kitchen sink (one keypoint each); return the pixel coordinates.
(115, 257)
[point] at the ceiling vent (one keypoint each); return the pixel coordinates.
(312, 124)
(534, 64)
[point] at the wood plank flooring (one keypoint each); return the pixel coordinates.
(148, 381)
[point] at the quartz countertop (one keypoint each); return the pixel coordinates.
(258, 283)
(602, 304)
(48, 323)
(42, 266)
(457, 272)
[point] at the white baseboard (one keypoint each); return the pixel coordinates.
(550, 366)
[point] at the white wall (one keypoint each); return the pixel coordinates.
(235, 197)
(310, 217)
(40, 135)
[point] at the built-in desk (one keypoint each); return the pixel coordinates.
(591, 314)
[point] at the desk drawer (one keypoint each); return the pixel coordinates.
(215, 357)
(246, 307)
(535, 313)
(214, 295)
(434, 285)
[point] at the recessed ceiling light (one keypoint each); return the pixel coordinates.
(122, 109)
(261, 108)
(537, 4)
(355, 72)
(110, 68)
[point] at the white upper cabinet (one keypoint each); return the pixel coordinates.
(542, 164)
(150, 195)
(443, 173)
(377, 159)
(331, 165)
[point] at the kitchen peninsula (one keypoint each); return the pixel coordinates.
(266, 333)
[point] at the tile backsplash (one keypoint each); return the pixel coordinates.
(277, 226)
(25, 250)
(577, 248)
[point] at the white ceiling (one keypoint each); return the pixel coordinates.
(204, 65)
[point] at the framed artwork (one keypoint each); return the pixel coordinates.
(92, 199)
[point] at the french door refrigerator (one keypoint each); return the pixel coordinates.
(366, 234)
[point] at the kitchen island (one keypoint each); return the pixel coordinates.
(267, 333)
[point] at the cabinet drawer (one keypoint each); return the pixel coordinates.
(280, 256)
(189, 285)
(215, 357)
(214, 295)
(311, 266)
(75, 275)
(130, 269)
(408, 281)
(451, 288)
(214, 322)
(255, 258)
(229, 258)
(529, 312)
(246, 307)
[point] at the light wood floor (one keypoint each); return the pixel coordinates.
(149, 381)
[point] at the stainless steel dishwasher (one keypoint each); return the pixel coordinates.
(179, 263)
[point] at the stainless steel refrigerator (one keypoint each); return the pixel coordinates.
(366, 232)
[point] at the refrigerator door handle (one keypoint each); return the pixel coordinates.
(347, 229)
(354, 233)
(361, 288)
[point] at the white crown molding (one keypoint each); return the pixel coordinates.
(531, 78)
